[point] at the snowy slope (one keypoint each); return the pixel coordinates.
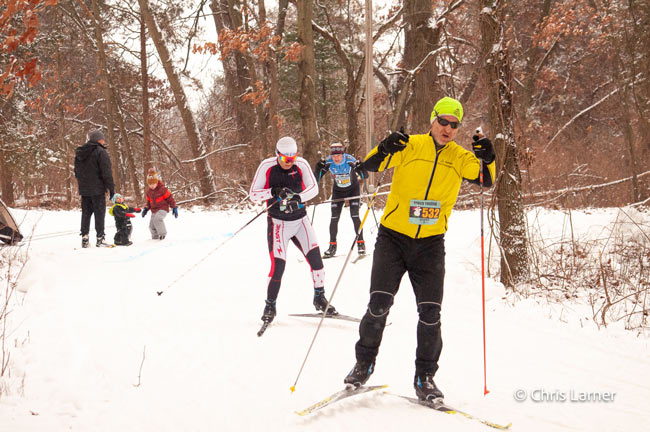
(95, 349)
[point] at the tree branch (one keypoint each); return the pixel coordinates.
(586, 110)
(221, 150)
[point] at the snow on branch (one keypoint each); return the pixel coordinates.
(585, 188)
(411, 73)
(452, 7)
(201, 198)
(644, 202)
(220, 150)
(465, 199)
(389, 22)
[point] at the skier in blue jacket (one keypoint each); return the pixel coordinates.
(345, 169)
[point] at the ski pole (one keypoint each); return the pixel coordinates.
(354, 197)
(338, 280)
(313, 212)
(217, 248)
(313, 215)
(479, 134)
(374, 215)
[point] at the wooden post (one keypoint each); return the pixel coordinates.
(370, 90)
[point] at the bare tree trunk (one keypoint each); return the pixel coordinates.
(259, 127)
(512, 222)
(106, 87)
(307, 77)
(146, 114)
(274, 99)
(67, 164)
(206, 177)
(625, 70)
(271, 119)
(353, 83)
(639, 49)
(7, 180)
(352, 119)
(399, 113)
(628, 133)
(237, 79)
(272, 71)
(419, 40)
(533, 57)
(127, 151)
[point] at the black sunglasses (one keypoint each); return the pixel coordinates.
(443, 122)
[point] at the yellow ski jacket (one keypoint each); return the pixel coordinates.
(426, 183)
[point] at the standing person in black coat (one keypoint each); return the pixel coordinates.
(92, 168)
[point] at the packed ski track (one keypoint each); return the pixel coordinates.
(94, 348)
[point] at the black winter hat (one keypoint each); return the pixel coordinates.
(95, 135)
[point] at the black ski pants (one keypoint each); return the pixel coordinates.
(424, 260)
(337, 208)
(301, 233)
(93, 205)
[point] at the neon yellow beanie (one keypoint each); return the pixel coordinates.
(447, 106)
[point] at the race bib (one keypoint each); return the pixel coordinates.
(342, 180)
(424, 212)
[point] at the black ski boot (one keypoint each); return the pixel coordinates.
(426, 389)
(320, 302)
(360, 373)
(269, 311)
(361, 247)
(84, 241)
(329, 253)
(100, 241)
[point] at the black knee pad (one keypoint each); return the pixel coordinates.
(380, 303)
(429, 313)
(278, 268)
(354, 208)
(337, 208)
(314, 259)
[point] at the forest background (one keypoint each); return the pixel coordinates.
(561, 88)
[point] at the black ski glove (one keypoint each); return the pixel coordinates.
(357, 167)
(144, 211)
(293, 204)
(321, 165)
(483, 149)
(395, 142)
(281, 193)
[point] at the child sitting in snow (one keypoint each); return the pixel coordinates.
(159, 200)
(121, 212)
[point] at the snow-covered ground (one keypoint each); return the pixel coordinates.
(94, 348)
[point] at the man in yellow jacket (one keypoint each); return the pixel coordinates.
(429, 170)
